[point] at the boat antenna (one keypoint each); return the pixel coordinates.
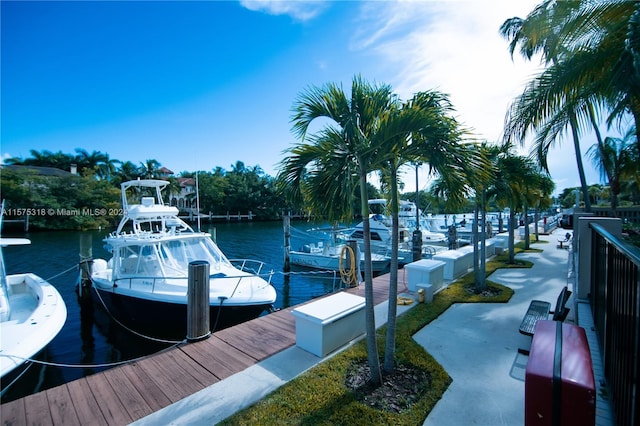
(198, 201)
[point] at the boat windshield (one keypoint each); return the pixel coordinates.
(169, 258)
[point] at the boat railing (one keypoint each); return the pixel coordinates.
(129, 281)
(248, 265)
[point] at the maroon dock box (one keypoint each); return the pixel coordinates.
(559, 384)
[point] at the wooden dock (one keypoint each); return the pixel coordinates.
(132, 391)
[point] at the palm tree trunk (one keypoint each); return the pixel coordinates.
(476, 255)
(576, 146)
(370, 321)
(527, 236)
(483, 243)
(390, 344)
(512, 235)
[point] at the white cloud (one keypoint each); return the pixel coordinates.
(301, 10)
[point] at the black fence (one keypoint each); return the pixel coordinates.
(615, 301)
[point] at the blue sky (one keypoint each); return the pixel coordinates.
(197, 85)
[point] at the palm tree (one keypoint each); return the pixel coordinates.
(85, 161)
(615, 160)
(468, 173)
(107, 167)
(538, 33)
(595, 50)
(150, 169)
(334, 157)
(509, 186)
(423, 131)
(127, 171)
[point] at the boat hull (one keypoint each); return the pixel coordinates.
(38, 313)
(169, 320)
(331, 263)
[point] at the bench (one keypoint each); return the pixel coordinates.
(540, 310)
(566, 240)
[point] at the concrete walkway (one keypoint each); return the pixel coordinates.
(476, 343)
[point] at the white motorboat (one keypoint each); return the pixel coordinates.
(32, 313)
(330, 253)
(145, 282)
(380, 230)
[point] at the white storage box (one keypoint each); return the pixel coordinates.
(467, 259)
(427, 271)
(455, 263)
(326, 324)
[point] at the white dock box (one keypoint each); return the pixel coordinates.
(426, 271)
(455, 263)
(325, 325)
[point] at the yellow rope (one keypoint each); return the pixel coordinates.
(348, 277)
(404, 300)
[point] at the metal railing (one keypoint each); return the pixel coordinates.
(615, 302)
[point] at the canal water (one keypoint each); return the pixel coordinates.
(91, 341)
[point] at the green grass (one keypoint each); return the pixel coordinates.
(320, 397)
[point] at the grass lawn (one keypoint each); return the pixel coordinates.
(320, 395)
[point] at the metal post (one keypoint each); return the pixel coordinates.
(198, 301)
(86, 263)
(416, 244)
(286, 223)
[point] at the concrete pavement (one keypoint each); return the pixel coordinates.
(476, 343)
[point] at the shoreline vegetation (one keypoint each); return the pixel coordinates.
(300, 401)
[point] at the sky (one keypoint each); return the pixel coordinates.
(204, 84)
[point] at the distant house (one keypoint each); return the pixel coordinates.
(186, 199)
(164, 173)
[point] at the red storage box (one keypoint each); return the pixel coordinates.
(559, 385)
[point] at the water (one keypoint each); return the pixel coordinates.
(91, 337)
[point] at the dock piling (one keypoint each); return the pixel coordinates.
(198, 301)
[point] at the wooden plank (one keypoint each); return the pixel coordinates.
(197, 372)
(218, 357)
(13, 413)
(109, 403)
(284, 322)
(258, 341)
(61, 406)
(152, 393)
(85, 403)
(129, 395)
(174, 381)
(134, 390)
(38, 412)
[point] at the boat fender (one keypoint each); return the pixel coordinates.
(98, 265)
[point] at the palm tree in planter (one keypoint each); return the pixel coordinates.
(336, 160)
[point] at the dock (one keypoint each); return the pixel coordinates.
(127, 393)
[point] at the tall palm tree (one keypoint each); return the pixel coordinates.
(615, 160)
(595, 46)
(509, 185)
(539, 33)
(424, 130)
(335, 155)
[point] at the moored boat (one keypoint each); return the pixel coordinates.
(144, 284)
(330, 253)
(32, 313)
